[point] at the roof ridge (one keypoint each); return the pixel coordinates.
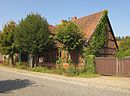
(91, 14)
(89, 23)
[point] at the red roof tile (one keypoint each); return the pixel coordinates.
(88, 23)
(52, 29)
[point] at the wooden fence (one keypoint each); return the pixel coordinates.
(112, 66)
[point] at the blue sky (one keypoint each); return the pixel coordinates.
(56, 10)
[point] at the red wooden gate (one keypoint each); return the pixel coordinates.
(112, 66)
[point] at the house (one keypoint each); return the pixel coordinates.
(88, 25)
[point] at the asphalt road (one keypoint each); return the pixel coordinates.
(14, 83)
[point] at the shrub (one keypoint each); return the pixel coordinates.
(59, 62)
(90, 64)
(124, 47)
(72, 71)
(59, 70)
(122, 53)
(40, 69)
(70, 61)
(5, 64)
(22, 66)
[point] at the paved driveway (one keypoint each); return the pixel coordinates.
(23, 83)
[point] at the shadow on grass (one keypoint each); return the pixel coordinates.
(10, 85)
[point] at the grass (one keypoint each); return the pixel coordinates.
(60, 71)
(88, 75)
(4, 64)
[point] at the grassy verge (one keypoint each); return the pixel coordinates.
(71, 72)
(87, 75)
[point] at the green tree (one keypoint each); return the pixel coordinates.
(7, 45)
(69, 34)
(125, 44)
(124, 48)
(118, 38)
(33, 36)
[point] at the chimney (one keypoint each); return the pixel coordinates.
(62, 21)
(74, 18)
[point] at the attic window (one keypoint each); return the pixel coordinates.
(73, 18)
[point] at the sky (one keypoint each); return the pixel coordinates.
(56, 10)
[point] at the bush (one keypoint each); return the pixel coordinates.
(5, 64)
(59, 70)
(122, 53)
(72, 71)
(40, 69)
(124, 47)
(59, 61)
(90, 64)
(22, 66)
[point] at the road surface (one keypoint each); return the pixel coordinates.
(20, 83)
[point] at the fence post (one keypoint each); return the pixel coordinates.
(117, 66)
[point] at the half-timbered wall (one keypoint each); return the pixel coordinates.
(110, 46)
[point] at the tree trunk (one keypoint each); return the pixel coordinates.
(69, 57)
(11, 60)
(43, 60)
(35, 61)
(31, 61)
(16, 58)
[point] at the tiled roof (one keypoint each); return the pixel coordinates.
(52, 29)
(88, 23)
